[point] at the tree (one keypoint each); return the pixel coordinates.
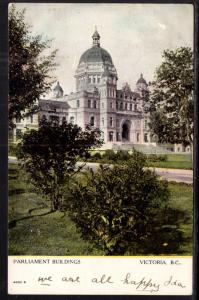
(29, 67)
(50, 154)
(171, 98)
(116, 207)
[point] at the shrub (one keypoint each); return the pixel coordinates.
(123, 155)
(115, 207)
(49, 155)
(109, 155)
(156, 158)
(97, 155)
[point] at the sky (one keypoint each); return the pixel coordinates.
(135, 35)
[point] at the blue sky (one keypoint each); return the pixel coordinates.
(134, 34)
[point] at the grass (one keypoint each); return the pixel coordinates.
(55, 234)
(175, 161)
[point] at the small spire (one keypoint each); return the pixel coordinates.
(141, 75)
(96, 38)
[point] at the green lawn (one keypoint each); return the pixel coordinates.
(55, 234)
(175, 161)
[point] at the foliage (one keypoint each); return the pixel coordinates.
(116, 206)
(50, 155)
(172, 98)
(12, 149)
(55, 234)
(29, 66)
(97, 155)
(109, 155)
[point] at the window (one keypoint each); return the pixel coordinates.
(98, 79)
(89, 103)
(135, 107)
(102, 121)
(118, 137)
(126, 106)
(110, 136)
(111, 121)
(54, 118)
(77, 103)
(131, 106)
(121, 106)
(145, 124)
(92, 121)
(93, 79)
(117, 123)
(63, 120)
(18, 133)
(95, 104)
(89, 79)
(117, 105)
(138, 137)
(102, 104)
(31, 119)
(146, 138)
(111, 105)
(72, 120)
(43, 117)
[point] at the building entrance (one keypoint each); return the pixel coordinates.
(125, 132)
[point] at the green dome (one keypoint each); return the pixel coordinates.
(96, 54)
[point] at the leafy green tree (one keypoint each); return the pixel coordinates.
(171, 98)
(50, 154)
(29, 67)
(116, 207)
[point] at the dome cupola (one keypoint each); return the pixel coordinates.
(96, 38)
(94, 64)
(141, 80)
(58, 91)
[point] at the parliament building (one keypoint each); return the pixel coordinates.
(122, 115)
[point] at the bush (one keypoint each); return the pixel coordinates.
(109, 155)
(156, 158)
(123, 155)
(97, 156)
(115, 207)
(50, 154)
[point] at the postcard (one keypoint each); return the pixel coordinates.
(101, 105)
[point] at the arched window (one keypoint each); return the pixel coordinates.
(110, 136)
(121, 106)
(94, 104)
(72, 120)
(111, 121)
(92, 121)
